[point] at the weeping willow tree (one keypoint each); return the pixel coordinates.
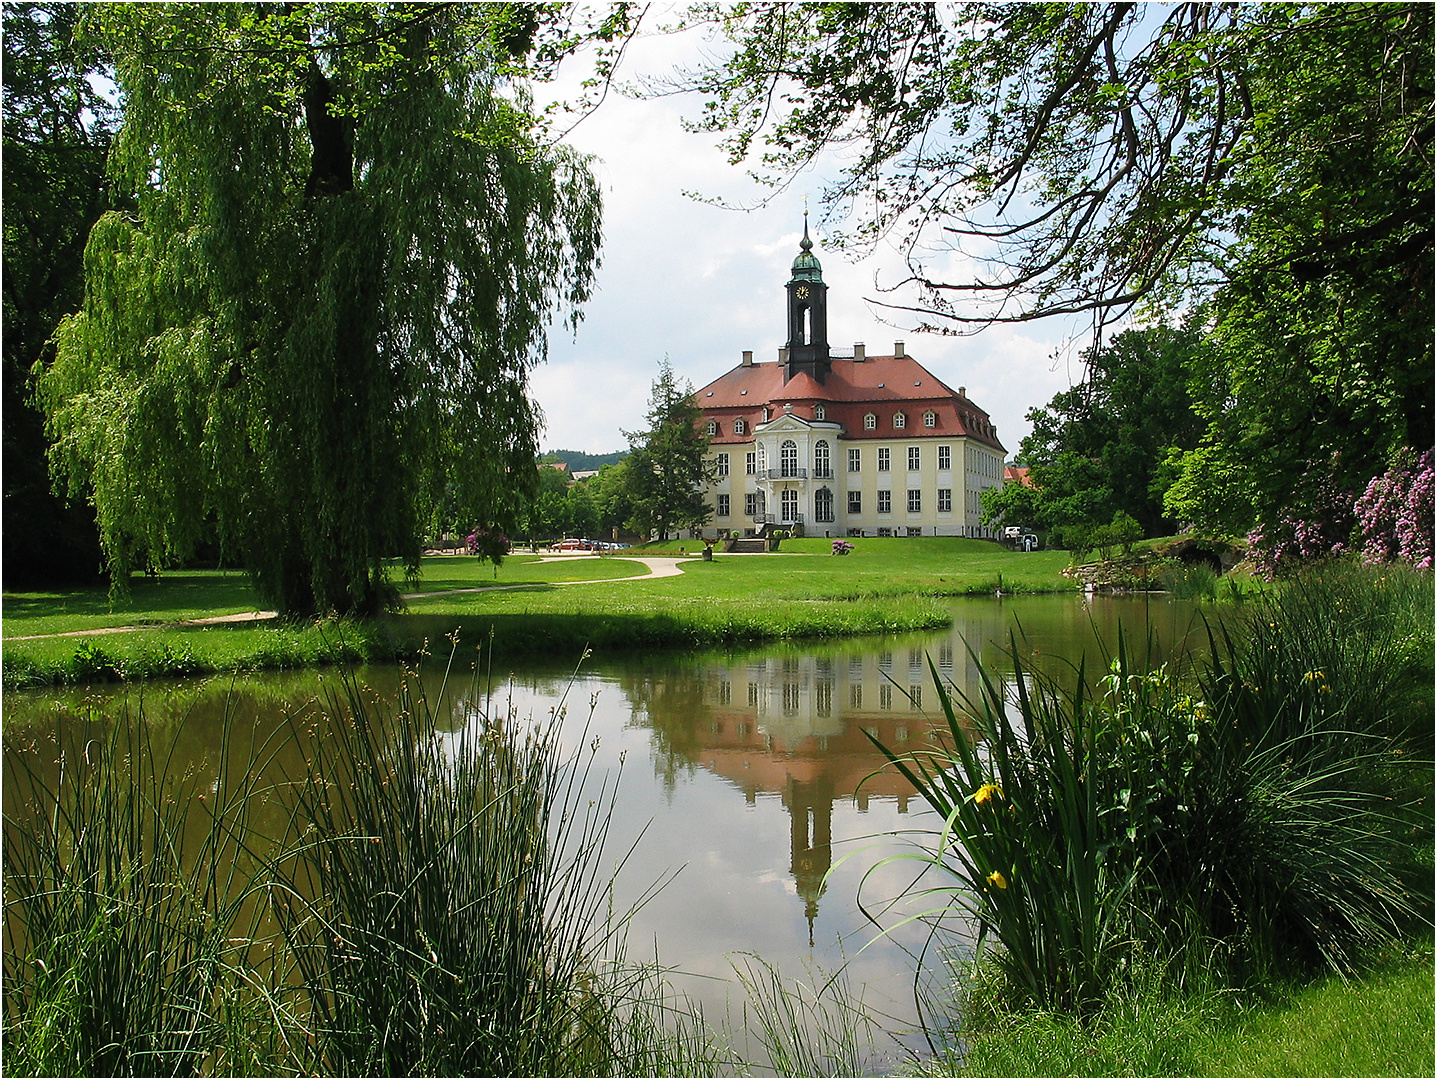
(312, 335)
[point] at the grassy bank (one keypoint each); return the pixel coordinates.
(1376, 1024)
(530, 605)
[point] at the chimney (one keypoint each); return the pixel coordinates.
(860, 353)
(782, 355)
(898, 349)
(962, 391)
(748, 358)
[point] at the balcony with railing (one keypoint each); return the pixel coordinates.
(788, 472)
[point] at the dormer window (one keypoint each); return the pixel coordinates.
(767, 412)
(899, 421)
(713, 428)
(739, 427)
(870, 422)
(930, 419)
(819, 413)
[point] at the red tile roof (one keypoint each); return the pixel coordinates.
(882, 385)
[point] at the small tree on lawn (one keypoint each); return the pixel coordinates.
(668, 465)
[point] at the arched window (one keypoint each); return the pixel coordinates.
(713, 428)
(870, 422)
(823, 505)
(788, 458)
(930, 419)
(738, 427)
(821, 466)
(766, 414)
(899, 421)
(820, 413)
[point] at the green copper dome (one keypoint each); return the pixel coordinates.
(806, 267)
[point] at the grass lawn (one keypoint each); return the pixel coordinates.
(1380, 1024)
(531, 604)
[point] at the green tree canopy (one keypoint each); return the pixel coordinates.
(57, 131)
(668, 465)
(1100, 449)
(348, 240)
(1272, 161)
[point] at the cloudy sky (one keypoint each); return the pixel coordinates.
(699, 283)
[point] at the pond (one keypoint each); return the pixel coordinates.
(747, 783)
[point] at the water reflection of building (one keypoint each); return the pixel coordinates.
(796, 725)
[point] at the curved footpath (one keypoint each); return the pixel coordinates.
(658, 567)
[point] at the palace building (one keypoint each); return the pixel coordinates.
(843, 444)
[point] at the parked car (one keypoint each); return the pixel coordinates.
(574, 544)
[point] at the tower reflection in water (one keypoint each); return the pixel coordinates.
(793, 724)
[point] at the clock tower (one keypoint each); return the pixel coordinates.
(807, 314)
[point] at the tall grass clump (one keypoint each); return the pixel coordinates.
(1252, 813)
(124, 887)
(445, 904)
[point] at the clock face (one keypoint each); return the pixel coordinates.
(802, 292)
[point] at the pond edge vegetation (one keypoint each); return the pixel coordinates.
(1084, 818)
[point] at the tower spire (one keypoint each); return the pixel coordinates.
(807, 313)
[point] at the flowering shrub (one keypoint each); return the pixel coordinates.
(1321, 529)
(489, 544)
(1390, 520)
(1394, 514)
(842, 547)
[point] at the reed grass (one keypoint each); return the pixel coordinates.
(440, 905)
(121, 912)
(806, 1028)
(1261, 815)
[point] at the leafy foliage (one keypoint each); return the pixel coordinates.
(57, 131)
(315, 330)
(667, 465)
(1097, 450)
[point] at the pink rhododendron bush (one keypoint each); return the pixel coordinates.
(1392, 520)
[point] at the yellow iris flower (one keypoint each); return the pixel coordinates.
(986, 792)
(997, 879)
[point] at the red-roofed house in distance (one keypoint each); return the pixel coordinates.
(843, 445)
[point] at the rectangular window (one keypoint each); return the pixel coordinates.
(723, 506)
(913, 459)
(885, 696)
(945, 457)
(915, 695)
(914, 530)
(854, 460)
(753, 695)
(750, 504)
(884, 532)
(885, 502)
(945, 500)
(915, 501)
(855, 695)
(721, 465)
(855, 532)
(855, 502)
(883, 459)
(823, 698)
(725, 692)
(749, 463)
